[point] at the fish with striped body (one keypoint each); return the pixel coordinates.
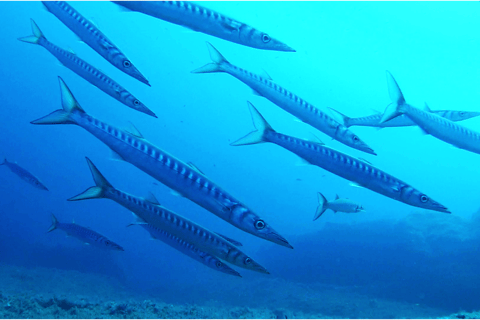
(201, 19)
(87, 71)
(83, 234)
(24, 174)
(148, 212)
(177, 175)
(353, 169)
(401, 120)
(188, 249)
(337, 205)
(441, 128)
(286, 100)
(89, 33)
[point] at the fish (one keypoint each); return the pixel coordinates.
(430, 123)
(150, 212)
(291, 103)
(86, 235)
(87, 71)
(201, 19)
(87, 32)
(24, 174)
(189, 250)
(181, 177)
(360, 172)
(401, 120)
(337, 205)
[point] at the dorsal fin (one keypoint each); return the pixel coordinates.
(426, 108)
(266, 75)
(337, 197)
(234, 242)
(315, 139)
(134, 131)
(362, 159)
(152, 199)
(71, 51)
(194, 167)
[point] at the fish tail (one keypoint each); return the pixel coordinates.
(4, 162)
(218, 61)
(394, 109)
(37, 34)
(340, 116)
(64, 115)
(322, 206)
(54, 224)
(257, 136)
(96, 192)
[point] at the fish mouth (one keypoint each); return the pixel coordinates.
(278, 239)
(441, 208)
(232, 272)
(368, 150)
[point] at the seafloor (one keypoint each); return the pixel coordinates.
(53, 293)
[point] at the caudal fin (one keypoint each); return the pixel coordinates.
(393, 109)
(322, 206)
(54, 224)
(217, 59)
(341, 117)
(256, 136)
(4, 162)
(64, 115)
(37, 34)
(96, 192)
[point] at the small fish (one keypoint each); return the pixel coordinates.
(150, 212)
(291, 103)
(87, 71)
(83, 234)
(401, 120)
(337, 205)
(24, 174)
(181, 177)
(430, 123)
(89, 33)
(189, 249)
(353, 169)
(201, 19)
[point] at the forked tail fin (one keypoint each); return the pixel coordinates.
(322, 206)
(37, 34)
(393, 109)
(261, 126)
(54, 224)
(96, 192)
(217, 60)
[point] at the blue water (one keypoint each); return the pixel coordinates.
(392, 251)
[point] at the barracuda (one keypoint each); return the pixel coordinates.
(201, 19)
(87, 71)
(441, 128)
(24, 174)
(350, 168)
(91, 35)
(177, 175)
(286, 100)
(148, 212)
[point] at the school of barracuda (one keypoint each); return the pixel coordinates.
(208, 247)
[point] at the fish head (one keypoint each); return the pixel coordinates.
(351, 139)
(462, 115)
(122, 63)
(112, 245)
(418, 199)
(244, 261)
(136, 104)
(222, 267)
(39, 185)
(253, 224)
(261, 40)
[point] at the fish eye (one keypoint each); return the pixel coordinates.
(423, 198)
(127, 64)
(107, 243)
(462, 113)
(136, 102)
(266, 38)
(260, 224)
(247, 260)
(218, 264)
(355, 138)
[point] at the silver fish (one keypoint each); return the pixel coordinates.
(83, 234)
(177, 175)
(87, 71)
(89, 33)
(286, 100)
(24, 174)
(201, 19)
(401, 120)
(358, 171)
(337, 205)
(148, 212)
(189, 250)
(430, 123)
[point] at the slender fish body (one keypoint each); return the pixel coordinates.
(201, 19)
(24, 174)
(91, 35)
(353, 169)
(87, 71)
(189, 250)
(148, 212)
(433, 124)
(85, 235)
(286, 100)
(337, 205)
(401, 120)
(177, 175)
